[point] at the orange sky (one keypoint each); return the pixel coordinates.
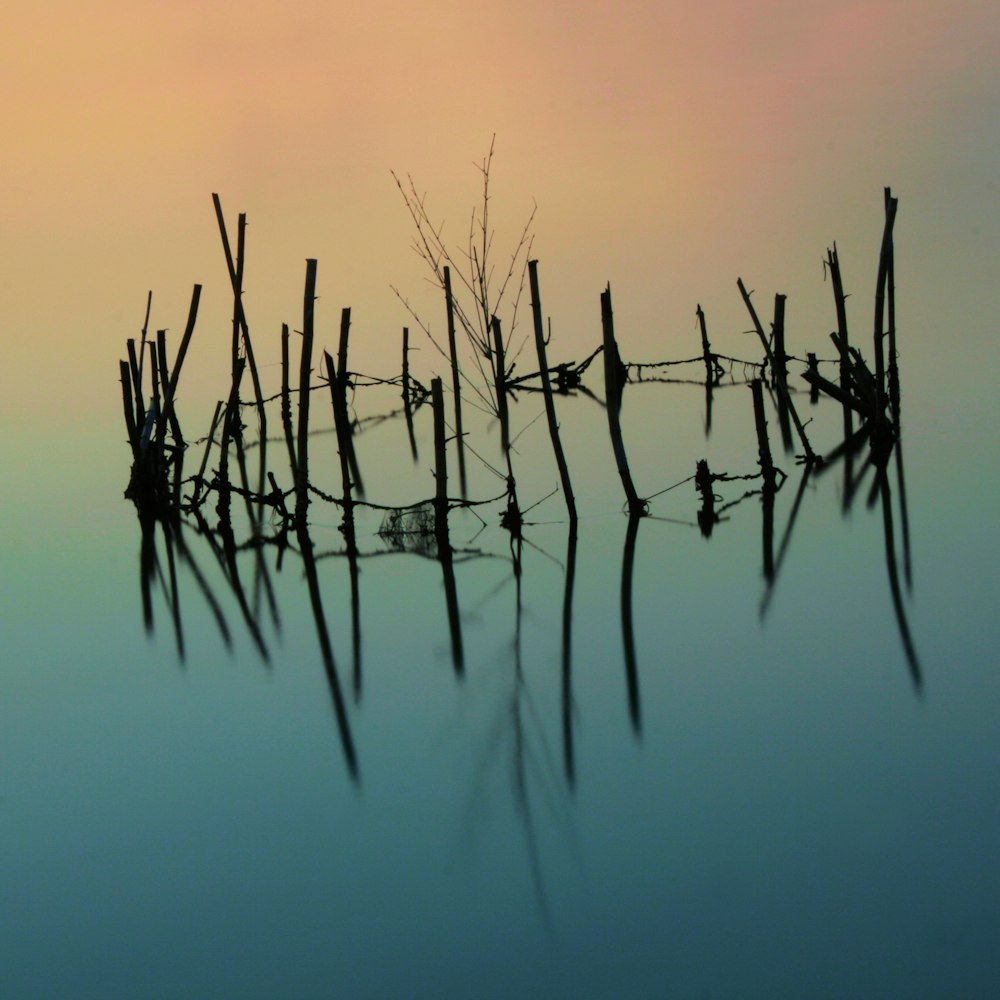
(669, 147)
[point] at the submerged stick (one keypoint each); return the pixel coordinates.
(550, 406)
(613, 381)
(305, 363)
(326, 651)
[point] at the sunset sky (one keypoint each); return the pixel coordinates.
(670, 147)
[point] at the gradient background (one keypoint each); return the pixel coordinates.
(670, 147)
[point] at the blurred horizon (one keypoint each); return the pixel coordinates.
(668, 149)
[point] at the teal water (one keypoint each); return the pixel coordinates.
(767, 806)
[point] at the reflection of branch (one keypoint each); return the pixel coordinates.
(567, 645)
(897, 598)
(628, 634)
(326, 650)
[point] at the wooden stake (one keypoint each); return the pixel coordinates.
(810, 455)
(302, 452)
(550, 406)
(613, 379)
(456, 385)
(500, 384)
(407, 405)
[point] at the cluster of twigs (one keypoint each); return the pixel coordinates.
(278, 515)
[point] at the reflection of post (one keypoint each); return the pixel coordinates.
(567, 645)
(175, 595)
(147, 565)
(441, 528)
(344, 450)
(897, 597)
(521, 753)
(225, 531)
(305, 367)
(628, 634)
(786, 536)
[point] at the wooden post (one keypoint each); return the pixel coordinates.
(710, 374)
(302, 453)
(706, 349)
(286, 406)
(768, 474)
(779, 360)
(613, 379)
(500, 383)
(440, 457)
(456, 385)
(129, 400)
(550, 406)
(345, 433)
(407, 405)
(812, 370)
(168, 413)
(885, 257)
(139, 408)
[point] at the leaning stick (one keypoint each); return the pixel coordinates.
(550, 406)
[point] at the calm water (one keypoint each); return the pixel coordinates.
(718, 789)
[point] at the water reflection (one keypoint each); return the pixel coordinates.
(266, 522)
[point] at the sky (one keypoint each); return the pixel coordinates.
(666, 147)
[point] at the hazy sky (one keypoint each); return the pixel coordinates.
(669, 147)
